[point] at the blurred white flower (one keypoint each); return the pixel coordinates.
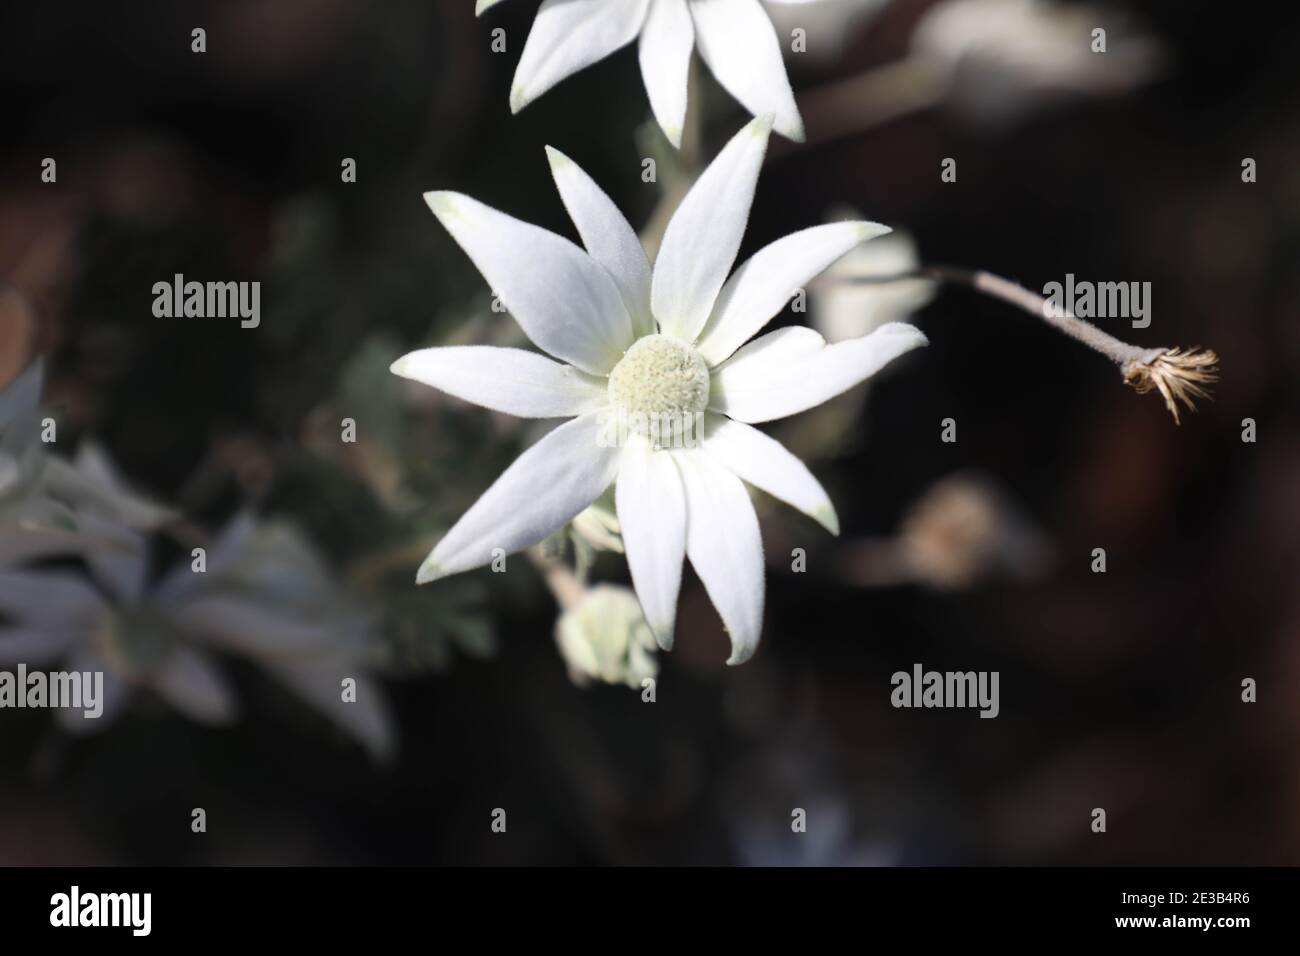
(263, 595)
(844, 309)
(667, 344)
(735, 39)
(19, 432)
(128, 635)
(50, 507)
(1004, 57)
(829, 23)
(606, 638)
(271, 598)
(964, 529)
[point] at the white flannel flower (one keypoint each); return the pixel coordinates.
(735, 38)
(667, 343)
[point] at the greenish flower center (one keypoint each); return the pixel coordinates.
(660, 378)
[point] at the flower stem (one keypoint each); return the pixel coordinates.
(563, 583)
(1179, 375)
(1012, 293)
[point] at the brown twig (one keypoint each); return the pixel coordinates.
(1180, 375)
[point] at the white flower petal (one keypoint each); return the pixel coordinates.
(19, 402)
(702, 239)
(652, 514)
(763, 285)
(118, 558)
(569, 35)
(769, 354)
(35, 645)
(783, 378)
(566, 303)
(665, 53)
(513, 381)
(97, 483)
(190, 682)
(33, 524)
(608, 237)
(536, 496)
(723, 543)
(738, 42)
(843, 308)
(130, 506)
(222, 556)
(53, 601)
(765, 463)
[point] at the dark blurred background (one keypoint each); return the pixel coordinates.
(1119, 690)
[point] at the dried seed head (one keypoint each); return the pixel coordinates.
(1179, 375)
